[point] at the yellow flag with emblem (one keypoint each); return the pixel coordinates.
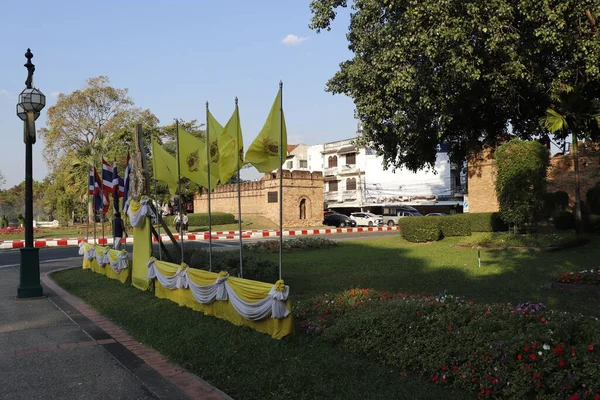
(165, 166)
(231, 148)
(213, 132)
(263, 153)
(192, 157)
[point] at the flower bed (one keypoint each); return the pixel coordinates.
(497, 350)
(272, 246)
(585, 277)
(11, 231)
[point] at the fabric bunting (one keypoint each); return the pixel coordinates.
(102, 255)
(207, 287)
(87, 250)
(263, 153)
(165, 166)
(117, 260)
(138, 211)
(231, 148)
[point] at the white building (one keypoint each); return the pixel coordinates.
(354, 178)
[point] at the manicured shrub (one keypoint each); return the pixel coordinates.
(455, 225)
(593, 199)
(201, 219)
(563, 220)
(487, 222)
(308, 243)
(420, 229)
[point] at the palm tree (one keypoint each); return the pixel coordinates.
(576, 112)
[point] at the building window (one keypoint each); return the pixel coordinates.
(290, 164)
(272, 197)
(303, 209)
(303, 164)
(350, 184)
(332, 162)
(351, 159)
(333, 186)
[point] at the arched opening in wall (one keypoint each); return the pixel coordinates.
(350, 184)
(332, 162)
(303, 209)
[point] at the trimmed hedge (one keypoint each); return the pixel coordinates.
(201, 219)
(563, 220)
(487, 222)
(420, 229)
(455, 225)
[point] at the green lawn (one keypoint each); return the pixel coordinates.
(249, 365)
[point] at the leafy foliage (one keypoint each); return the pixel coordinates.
(521, 179)
(563, 220)
(307, 243)
(593, 199)
(458, 71)
(420, 229)
(487, 222)
(455, 225)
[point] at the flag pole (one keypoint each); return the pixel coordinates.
(280, 176)
(158, 216)
(87, 227)
(94, 200)
(102, 192)
(209, 206)
(239, 192)
(179, 188)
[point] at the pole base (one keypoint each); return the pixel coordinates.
(29, 284)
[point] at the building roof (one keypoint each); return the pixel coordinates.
(291, 147)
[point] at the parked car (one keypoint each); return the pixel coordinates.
(366, 219)
(338, 220)
(436, 215)
(328, 212)
(391, 214)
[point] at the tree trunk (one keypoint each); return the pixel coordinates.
(574, 149)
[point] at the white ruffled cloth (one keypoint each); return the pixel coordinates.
(87, 250)
(139, 211)
(273, 305)
(117, 260)
(102, 255)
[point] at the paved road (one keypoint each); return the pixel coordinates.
(70, 255)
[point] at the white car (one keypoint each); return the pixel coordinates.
(366, 219)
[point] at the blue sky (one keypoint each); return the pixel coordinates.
(173, 56)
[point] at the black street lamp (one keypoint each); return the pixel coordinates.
(31, 102)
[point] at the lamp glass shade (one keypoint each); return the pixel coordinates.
(32, 100)
(22, 114)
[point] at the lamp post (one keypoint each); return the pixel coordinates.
(31, 102)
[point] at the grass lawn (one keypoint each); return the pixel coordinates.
(249, 365)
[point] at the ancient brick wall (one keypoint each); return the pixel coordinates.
(481, 177)
(302, 191)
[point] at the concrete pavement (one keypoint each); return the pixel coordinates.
(56, 347)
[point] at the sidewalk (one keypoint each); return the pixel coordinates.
(58, 348)
(219, 235)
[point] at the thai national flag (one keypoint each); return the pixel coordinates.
(91, 182)
(118, 187)
(107, 177)
(126, 181)
(101, 201)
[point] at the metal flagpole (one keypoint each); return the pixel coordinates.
(102, 192)
(94, 200)
(87, 228)
(209, 208)
(239, 191)
(158, 217)
(179, 187)
(280, 176)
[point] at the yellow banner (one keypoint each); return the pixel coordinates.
(142, 250)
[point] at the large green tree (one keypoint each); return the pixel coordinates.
(458, 71)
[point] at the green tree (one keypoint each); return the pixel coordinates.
(458, 71)
(521, 168)
(575, 112)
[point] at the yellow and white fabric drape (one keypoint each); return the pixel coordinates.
(87, 250)
(117, 260)
(102, 255)
(138, 211)
(97, 257)
(262, 306)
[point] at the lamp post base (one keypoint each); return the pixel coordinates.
(29, 284)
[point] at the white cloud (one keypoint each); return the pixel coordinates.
(293, 40)
(6, 93)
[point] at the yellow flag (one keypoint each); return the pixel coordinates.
(263, 153)
(165, 166)
(231, 148)
(213, 132)
(192, 156)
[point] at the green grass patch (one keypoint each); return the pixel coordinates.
(243, 363)
(536, 240)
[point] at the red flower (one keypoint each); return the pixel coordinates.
(558, 351)
(449, 329)
(591, 347)
(532, 356)
(519, 357)
(597, 397)
(536, 376)
(526, 348)
(444, 368)
(561, 363)
(575, 397)
(435, 378)
(572, 351)
(488, 391)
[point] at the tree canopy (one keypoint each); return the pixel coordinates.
(458, 71)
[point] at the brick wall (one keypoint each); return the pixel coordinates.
(481, 176)
(298, 187)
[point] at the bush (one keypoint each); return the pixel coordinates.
(201, 219)
(499, 350)
(455, 225)
(420, 229)
(593, 199)
(3, 222)
(487, 222)
(561, 200)
(272, 246)
(563, 220)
